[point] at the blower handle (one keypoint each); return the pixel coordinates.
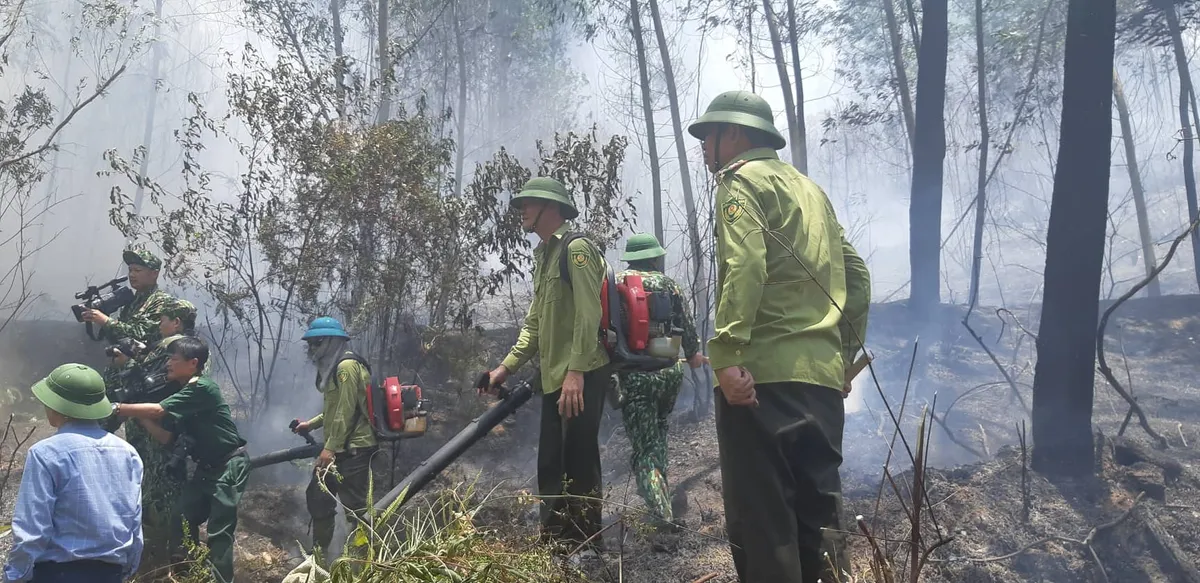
(306, 434)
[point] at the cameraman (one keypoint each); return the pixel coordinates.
(143, 379)
(139, 319)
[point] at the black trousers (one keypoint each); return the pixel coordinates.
(356, 468)
(780, 481)
(569, 466)
(76, 572)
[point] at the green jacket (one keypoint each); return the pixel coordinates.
(343, 393)
(139, 319)
(773, 315)
(198, 411)
(562, 326)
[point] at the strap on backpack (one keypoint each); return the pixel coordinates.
(564, 271)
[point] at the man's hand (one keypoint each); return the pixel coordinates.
(697, 360)
(737, 384)
(300, 427)
(120, 358)
(495, 379)
(570, 399)
(95, 317)
(325, 458)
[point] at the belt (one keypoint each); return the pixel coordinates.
(353, 451)
(241, 451)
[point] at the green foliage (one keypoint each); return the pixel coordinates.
(441, 542)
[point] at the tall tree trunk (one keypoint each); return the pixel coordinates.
(635, 14)
(385, 64)
(906, 105)
(929, 152)
(911, 14)
(148, 131)
(1154, 289)
(700, 271)
(750, 48)
(1066, 344)
(460, 111)
(984, 139)
(785, 84)
(800, 147)
(339, 53)
(1185, 96)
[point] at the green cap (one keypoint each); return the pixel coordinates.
(642, 246)
(738, 108)
(74, 390)
(178, 308)
(547, 188)
(142, 257)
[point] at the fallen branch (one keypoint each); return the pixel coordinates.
(950, 434)
(706, 578)
(1012, 384)
(1103, 362)
(1168, 549)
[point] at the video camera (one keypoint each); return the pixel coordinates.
(93, 299)
(128, 346)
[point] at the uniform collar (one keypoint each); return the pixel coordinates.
(558, 234)
(748, 155)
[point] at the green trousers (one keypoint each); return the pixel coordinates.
(355, 469)
(647, 401)
(163, 482)
(212, 496)
(780, 481)
(569, 466)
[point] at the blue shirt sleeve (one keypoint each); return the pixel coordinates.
(135, 550)
(33, 520)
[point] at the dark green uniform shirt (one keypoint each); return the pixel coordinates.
(781, 256)
(199, 411)
(562, 326)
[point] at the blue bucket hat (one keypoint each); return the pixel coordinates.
(323, 327)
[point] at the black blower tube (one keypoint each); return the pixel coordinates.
(511, 400)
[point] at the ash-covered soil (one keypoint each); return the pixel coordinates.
(995, 522)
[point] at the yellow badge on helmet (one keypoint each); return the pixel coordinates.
(733, 209)
(579, 258)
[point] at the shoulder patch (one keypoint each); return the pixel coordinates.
(343, 375)
(579, 258)
(733, 209)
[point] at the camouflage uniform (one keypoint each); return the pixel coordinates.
(138, 320)
(165, 468)
(648, 398)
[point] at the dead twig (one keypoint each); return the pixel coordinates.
(1086, 542)
(706, 578)
(950, 434)
(1025, 501)
(1012, 384)
(1100, 357)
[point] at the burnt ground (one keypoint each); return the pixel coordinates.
(973, 484)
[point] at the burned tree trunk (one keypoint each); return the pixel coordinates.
(906, 105)
(800, 148)
(1189, 147)
(785, 85)
(648, 112)
(984, 141)
(1135, 184)
(929, 152)
(1066, 345)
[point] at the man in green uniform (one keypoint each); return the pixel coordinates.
(792, 297)
(647, 398)
(349, 438)
(198, 414)
(165, 465)
(137, 320)
(562, 329)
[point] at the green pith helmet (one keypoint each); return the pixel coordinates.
(74, 390)
(642, 246)
(739, 108)
(546, 188)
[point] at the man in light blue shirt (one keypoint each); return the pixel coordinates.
(78, 515)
